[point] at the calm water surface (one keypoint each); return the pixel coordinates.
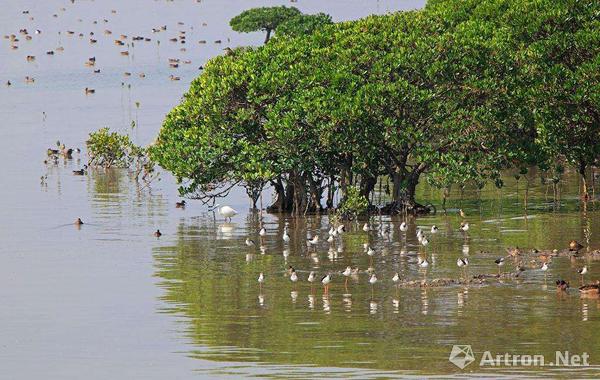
(110, 300)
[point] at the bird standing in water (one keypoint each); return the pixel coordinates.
(463, 262)
(582, 272)
(261, 280)
(372, 281)
(499, 262)
(293, 277)
(325, 281)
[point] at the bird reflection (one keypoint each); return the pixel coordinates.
(294, 296)
(424, 302)
(286, 253)
(263, 249)
(311, 301)
(326, 304)
(261, 300)
(347, 299)
(226, 230)
(373, 307)
(396, 305)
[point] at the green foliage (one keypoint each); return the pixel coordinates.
(303, 24)
(110, 149)
(453, 93)
(353, 203)
(265, 19)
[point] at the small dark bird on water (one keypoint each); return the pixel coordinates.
(562, 285)
(78, 222)
(180, 204)
(157, 233)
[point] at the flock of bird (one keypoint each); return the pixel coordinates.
(124, 43)
(423, 262)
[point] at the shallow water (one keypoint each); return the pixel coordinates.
(108, 299)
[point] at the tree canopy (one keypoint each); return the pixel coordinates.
(265, 19)
(452, 93)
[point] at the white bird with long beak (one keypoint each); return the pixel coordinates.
(373, 279)
(250, 242)
(434, 229)
(366, 227)
(424, 241)
(341, 229)
(226, 211)
(464, 226)
(396, 278)
(262, 231)
(330, 239)
(423, 263)
(286, 235)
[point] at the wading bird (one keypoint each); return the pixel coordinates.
(462, 263)
(499, 262)
(582, 272)
(226, 212)
(325, 281)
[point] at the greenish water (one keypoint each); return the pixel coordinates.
(209, 277)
